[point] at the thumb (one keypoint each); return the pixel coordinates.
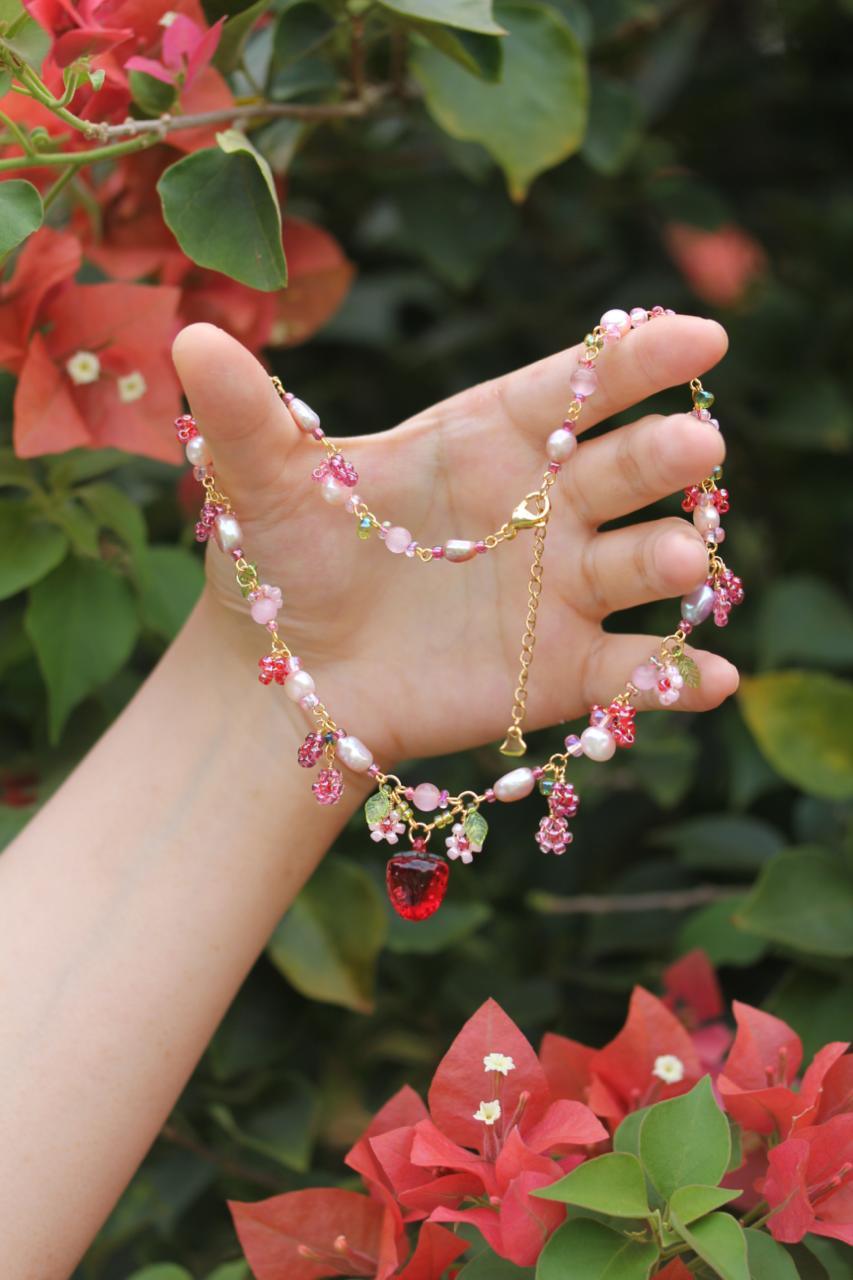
(249, 431)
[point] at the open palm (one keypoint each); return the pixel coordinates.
(418, 659)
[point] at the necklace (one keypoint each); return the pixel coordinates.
(417, 878)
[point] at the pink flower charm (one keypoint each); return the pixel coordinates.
(265, 603)
(310, 751)
(553, 835)
(563, 801)
(669, 685)
(328, 786)
(387, 828)
(338, 467)
(459, 845)
(273, 666)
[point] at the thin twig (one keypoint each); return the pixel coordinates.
(233, 1168)
(590, 904)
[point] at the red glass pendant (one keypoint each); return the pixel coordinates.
(416, 884)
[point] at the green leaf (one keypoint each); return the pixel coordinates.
(719, 1240)
(79, 526)
(471, 15)
(688, 670)
(378, 805)
(24, 36)
(221, 205)
(818, 1007)
(768, 1260)
(21, 212)
(29, 547)
(283, 1131)
(614, 131)
(327, 953)
(83, 625)
(803, 899)
(15, 473)
(586, 1250)
(665, 760)
(236, 31)
(488, 1266)
(112, 509)
(722, 842)
(231, 1270)
(154, 96)
(803, 723)
(476, 827)
(536, 115)
(803, 619)
(833, 1255)
(77, 465)
(479, 55)
(299, 31)
(627, 1136)
(685, 1140)
(613, 1184)
(170, 582)
(690, 1203)
(449, 926)
(162, 1271)
(715, 930)
(455, 227)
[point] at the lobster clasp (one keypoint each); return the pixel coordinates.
(531, 511)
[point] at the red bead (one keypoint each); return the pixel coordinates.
(416, 884)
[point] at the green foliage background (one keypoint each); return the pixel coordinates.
(703, 112)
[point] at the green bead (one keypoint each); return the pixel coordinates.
(546, 786)
(703, 399)
(717, 473)
(364, 527)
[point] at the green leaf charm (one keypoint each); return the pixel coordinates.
(476, 828)
(378, 805)
(688, 670)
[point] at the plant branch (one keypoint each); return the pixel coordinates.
(232, 1168)
(75, 159)
(607, 904)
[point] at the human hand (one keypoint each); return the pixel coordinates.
(420, 659)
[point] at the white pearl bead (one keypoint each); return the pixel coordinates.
(560, 445)
(597, 743)
(354, 754)
(458, 549)
(298, 684)
(334, 492)
(227, 532)
(198, 454)
(306, 418)
(617, 317)
(706, 518)
(514, 785)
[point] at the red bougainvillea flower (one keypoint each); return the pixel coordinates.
(674, 1270)
(756, 1080)
(93, 361)
(319, 277)
(186, 50)
(494, 1134)
(809, 1183)
(718, 265)
(78, 29)
(693, 992)
(305, 1235)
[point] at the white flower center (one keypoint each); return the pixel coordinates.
(498, 1062)
(488, 1112)
(131, 386)
(167, 19)
(83, 367)
(668, 1068)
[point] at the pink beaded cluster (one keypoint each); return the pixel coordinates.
(417, 879)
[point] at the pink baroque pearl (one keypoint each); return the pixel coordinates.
(598, 744)
(398, 539)
(304, 416)
(298, 684)
(515, 785)
(584, 382)
(198, 453)
(560, 445)
(426, 797)
(639, 316)
(335, 493)
(706, 518)
(458, 549)
(227, 532)
(616, 319)
(645, 677)
(354, 754)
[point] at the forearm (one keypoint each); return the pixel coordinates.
(131, 908)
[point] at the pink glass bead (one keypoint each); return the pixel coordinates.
(411, 550)
(573, 745)
(645, 676)
(584, 382)
(426, 797)
(397, 539)
(553, 835)
(265, 608)
(563, 801)
(639, 316)
(616, 319)
(437, 553)
(309, 702)
(328, 786)
(656, 312)
(480, 547)
(310, 751)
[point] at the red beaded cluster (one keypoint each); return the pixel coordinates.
(185, 428)
(310, 751)
(328, 786)
(336, 465)
(273, 667)
(728, 593)
(719, 498)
